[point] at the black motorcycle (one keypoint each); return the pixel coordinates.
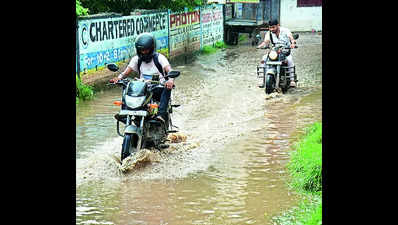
(274, 69)
(138, 112)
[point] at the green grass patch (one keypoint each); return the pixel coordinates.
(209, 49)
(220, 44)
(242, 37)
(308, 212)
(83, 92)
(305, 168)
(305, 164)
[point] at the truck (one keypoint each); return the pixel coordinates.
(248, 16)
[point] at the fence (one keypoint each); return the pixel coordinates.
(109, 38)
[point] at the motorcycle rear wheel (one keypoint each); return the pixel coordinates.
(129, 142)
(269, 84)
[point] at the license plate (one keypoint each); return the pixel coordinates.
(133, 113)
(274, 63)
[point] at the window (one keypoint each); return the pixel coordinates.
(309, 3)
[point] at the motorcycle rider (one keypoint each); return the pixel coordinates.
(145, 44)
(280, 34)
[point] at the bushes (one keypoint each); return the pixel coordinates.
(220, 44)
(83, 91)
(208, 49)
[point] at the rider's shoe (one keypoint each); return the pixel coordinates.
(260, 85)
(292, 84)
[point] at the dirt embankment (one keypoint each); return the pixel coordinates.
(99, 78)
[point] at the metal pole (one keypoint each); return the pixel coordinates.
(77, 50)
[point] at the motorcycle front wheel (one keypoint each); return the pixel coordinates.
(129, 141)
(269, 84)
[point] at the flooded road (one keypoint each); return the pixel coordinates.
(231, 168)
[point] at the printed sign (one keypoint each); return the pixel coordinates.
(211, 24)
(216, 1)
(111, 39)
(243, 1)
(185, 32)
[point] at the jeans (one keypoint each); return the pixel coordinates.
(162, 94)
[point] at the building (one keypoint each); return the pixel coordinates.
(301, 15)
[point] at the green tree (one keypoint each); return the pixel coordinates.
(80, 10)
(126, 6)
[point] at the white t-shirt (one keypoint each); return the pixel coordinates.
(149, 68)
(283, 36)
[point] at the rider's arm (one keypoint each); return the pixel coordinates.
(264, 43)
(266, 40)
(292, 41)
(170, 82)
(125, 73)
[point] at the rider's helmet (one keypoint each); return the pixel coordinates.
(145, 41)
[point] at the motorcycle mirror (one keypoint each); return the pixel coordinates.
(295, 36)
(112, 67)
(173, 74)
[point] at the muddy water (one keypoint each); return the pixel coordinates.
(231, 168)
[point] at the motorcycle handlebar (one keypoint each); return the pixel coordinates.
(119, 82)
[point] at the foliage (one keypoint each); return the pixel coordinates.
(126, 6)
(306, 163)
(242, 37)
(309, 212)
(83, 91)
(208, 49)
(80, 10)
(220, 44)
(305, 166)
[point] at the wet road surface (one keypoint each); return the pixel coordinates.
(230, 170)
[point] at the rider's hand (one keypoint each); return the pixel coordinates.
(292, 45)
(114, 80)
(169, 84)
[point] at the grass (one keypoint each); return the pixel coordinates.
(305, 168)
(242, 37)
(308, 212)
(209, 49)
(306, 162)
(83, 92)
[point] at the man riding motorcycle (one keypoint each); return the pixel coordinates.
(149, 62)
(280, 34)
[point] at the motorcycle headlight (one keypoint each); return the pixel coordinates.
(273, 55)
(135, 102)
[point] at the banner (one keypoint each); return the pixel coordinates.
(211, 24)
(108, 40)
(185, 32)
(216, 1)
(243, 1)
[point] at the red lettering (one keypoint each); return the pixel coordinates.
(172, 20)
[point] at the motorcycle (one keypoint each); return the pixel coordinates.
(138, 112)
(273, 68)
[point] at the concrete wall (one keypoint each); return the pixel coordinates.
(300, 18)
